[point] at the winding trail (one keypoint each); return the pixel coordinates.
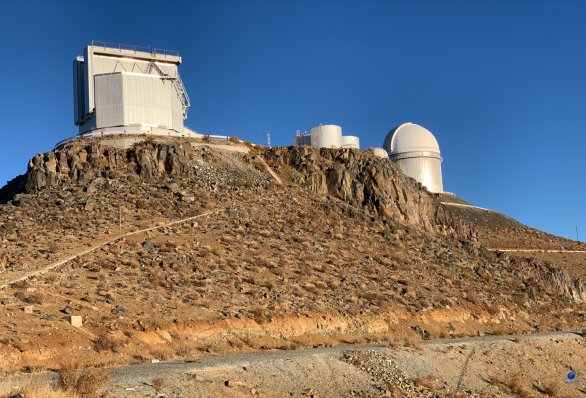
(107, 242)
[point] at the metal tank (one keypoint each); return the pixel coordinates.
(379, 153)
(326, 136)
(416, 151)
(350, 141)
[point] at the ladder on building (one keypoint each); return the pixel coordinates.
(177, 83)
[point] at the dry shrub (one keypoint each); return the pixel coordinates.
(428, 383)
(163, 354)
(518, 386)
(84, 382)
(158, 384)
(413, 340)
(260, 314)
(34, 391)
(184, 351)
(551, 389)
(105, 343)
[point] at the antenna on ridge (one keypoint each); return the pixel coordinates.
(269, 139)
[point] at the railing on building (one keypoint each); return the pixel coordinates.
(128, 47)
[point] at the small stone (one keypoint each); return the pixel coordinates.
(148, 245)
(118, 310)
(173, 187)
(67, 310)
(76, 321)
(29, 309)
(155, 361)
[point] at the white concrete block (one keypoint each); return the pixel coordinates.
(76, 321)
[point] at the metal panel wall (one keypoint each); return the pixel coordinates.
(147, 100)
(426, 170)
(109, 100)
(96, 64)
(176, 109)
(78, 90)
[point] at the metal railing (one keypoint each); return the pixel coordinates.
(128, 47)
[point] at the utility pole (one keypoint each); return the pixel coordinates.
(120, 220)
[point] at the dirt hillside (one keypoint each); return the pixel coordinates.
(347, 249)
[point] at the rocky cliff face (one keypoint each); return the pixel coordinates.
(355, 177)
(84, 161)
(365, 181)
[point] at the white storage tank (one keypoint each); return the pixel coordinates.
(379, 153)
(350, 141)
(416, 151)
(326, 136)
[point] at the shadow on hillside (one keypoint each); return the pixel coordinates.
(12, 188)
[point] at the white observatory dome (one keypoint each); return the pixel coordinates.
(409, 137)
(416, 151)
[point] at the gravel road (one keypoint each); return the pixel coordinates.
(351, 369)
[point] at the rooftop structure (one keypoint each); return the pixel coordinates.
(129, 90)
(416, 151)
(326, 136)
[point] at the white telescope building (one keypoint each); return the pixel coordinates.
(416, 151)
(129, 90)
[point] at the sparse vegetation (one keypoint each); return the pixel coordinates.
(276, 260)
(85, 382)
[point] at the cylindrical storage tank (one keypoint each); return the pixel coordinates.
(350, 141)
(379, 153)
(326, 136)
(416, 151)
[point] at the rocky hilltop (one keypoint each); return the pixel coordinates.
(191, 247)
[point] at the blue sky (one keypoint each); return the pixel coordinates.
(502, 84)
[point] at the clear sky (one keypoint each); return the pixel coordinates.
(502, 84)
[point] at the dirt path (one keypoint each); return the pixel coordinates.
(536, 250)
(466, 364)
(103, 243)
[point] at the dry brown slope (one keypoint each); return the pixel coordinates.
(282, 266)
(498, 231)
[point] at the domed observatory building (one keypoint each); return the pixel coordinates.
(416, 151)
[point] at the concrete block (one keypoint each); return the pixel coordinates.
(29, 309)
(76, 321)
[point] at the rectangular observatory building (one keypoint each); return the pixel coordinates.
(120, 89)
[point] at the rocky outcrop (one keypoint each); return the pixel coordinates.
(559, 281)
(84, 161)
(363, 180)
